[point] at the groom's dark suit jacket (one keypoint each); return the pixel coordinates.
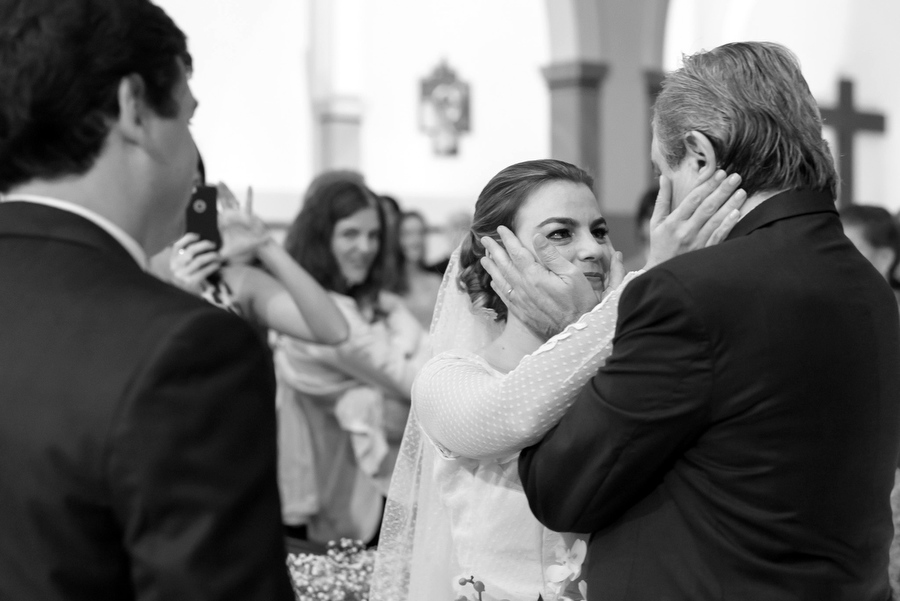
(740, 443)
(137, 428)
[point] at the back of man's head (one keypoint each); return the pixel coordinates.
(61, 63)
(751, 100)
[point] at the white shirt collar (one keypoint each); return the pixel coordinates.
(127, 242)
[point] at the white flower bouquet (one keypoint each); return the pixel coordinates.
(342, 574)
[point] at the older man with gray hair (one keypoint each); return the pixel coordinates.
(740, 442)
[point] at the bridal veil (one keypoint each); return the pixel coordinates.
(414, 551)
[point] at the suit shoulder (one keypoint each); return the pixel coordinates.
(154, 308)
(710, 259)
(713, 267)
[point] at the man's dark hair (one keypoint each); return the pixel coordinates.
(61, 62)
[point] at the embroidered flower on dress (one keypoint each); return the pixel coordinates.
(568, 561)
(568, 564)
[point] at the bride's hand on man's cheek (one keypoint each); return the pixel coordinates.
(703, 218)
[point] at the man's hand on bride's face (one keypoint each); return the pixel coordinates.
(547, 293)
(703, 218)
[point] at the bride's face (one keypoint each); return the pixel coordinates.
(568, 215)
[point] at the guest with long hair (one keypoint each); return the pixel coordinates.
(342, 409)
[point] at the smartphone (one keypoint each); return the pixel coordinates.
(203, 215)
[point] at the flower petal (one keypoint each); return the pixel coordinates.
(557, 573)
(578, 551)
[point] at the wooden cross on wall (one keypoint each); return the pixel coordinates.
(846, 121)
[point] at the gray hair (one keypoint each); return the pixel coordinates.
(752, 102)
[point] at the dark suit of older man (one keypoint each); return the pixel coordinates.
(741, 440)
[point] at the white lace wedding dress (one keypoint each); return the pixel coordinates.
(456, 507)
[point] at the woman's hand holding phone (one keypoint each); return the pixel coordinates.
(192, 261)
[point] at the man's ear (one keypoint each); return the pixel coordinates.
(132, 108)
(700, 153)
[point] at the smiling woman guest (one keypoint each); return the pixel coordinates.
(342, 409)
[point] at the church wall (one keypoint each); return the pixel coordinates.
(496, 47)
(265, 69)
(262, 66)
(254, 123)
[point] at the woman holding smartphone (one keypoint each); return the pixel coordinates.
(252, 276)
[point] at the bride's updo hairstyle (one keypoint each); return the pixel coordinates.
(498, 204)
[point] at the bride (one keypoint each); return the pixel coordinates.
(456, 511)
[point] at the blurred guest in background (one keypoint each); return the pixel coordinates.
(394, 265)
(329, 177)
(456, 228)
(876, 235)
(422, 283)
(875, 232)
(342, 409)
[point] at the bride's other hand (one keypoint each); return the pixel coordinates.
(547, 293)
(703, 218)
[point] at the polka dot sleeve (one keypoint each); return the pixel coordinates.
(468, 409)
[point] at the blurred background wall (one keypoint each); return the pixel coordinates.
(288, 88)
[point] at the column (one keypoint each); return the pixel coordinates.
(575, 112)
